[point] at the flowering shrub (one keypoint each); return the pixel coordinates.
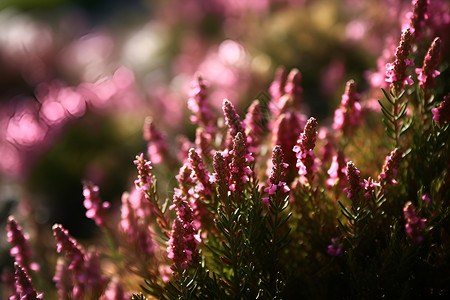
(276, 204)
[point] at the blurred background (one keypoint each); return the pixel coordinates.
(78, 78)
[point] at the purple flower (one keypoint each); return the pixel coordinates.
(115, 291)
(418, 17)
(430, 62)
(96, 208)
(335, 248)
(396, 71)
(232, 120)
(337, 170)
(74, 252)
(135, 228)
(145, 179)
(239, 171)
(293, 88)
(390, 167)
(348, 116)
(304, 149)
(24, 286)
(84, 267)
(221, 176)
(278, 84)
(441, 114)
(182, 245)
(198, 104)
(20, 247)
(200, 174)
(354, 182)
(287, 128)
(254, 126)
(63, 280)
(415, 225)
(276, 180)
(157, 147)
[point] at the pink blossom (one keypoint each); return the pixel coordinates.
(441, 114)
(20, 247)
(304, 150)
(396, 72)
(390, 168)
(428, 71)
(348, 116)
(96, 208)
(415, 225)
(24, 286)
(354, 182)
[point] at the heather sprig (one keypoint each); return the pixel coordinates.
(429, 71)
(254, 123)
(390, 167)
(84, 266)
(278, 235)
(20, 249)
(232, 120)
(348, 116)
(157, 147)
(96, 208)
(418, 18)
(396, 73)
(306, 142)
(146, 183)
(24, 286)
(198, 104)
(441, 114)
(415, 225)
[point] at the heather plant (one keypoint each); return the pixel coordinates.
(275, 203)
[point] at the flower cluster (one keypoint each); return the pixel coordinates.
(216, 214)
(276, 180)
(414, 224)
(304, 150)
(441, 114)
(396, 72)
(348, 116)
(428, 72)
(20, 247)
(96, 208)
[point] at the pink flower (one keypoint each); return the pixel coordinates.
(418, 17)
(396, 72)
(415, 225)
(304, 149)
(276, 180)
(182, 245)
(239, 170)
(254, 126)
(232, 120)
(430, 62)
(286, 130)
(96, 208)
(145, 179)
(24, 286)
(441, 114)
(335, 248)
(157, 147)
(348, 116)
(337, 170)
(278, 84)
(198, 104)
(354, 182)
(20, 247)
(390, 167)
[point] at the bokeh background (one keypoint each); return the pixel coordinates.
(78, 78)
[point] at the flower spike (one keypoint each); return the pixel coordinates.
(396, 72)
